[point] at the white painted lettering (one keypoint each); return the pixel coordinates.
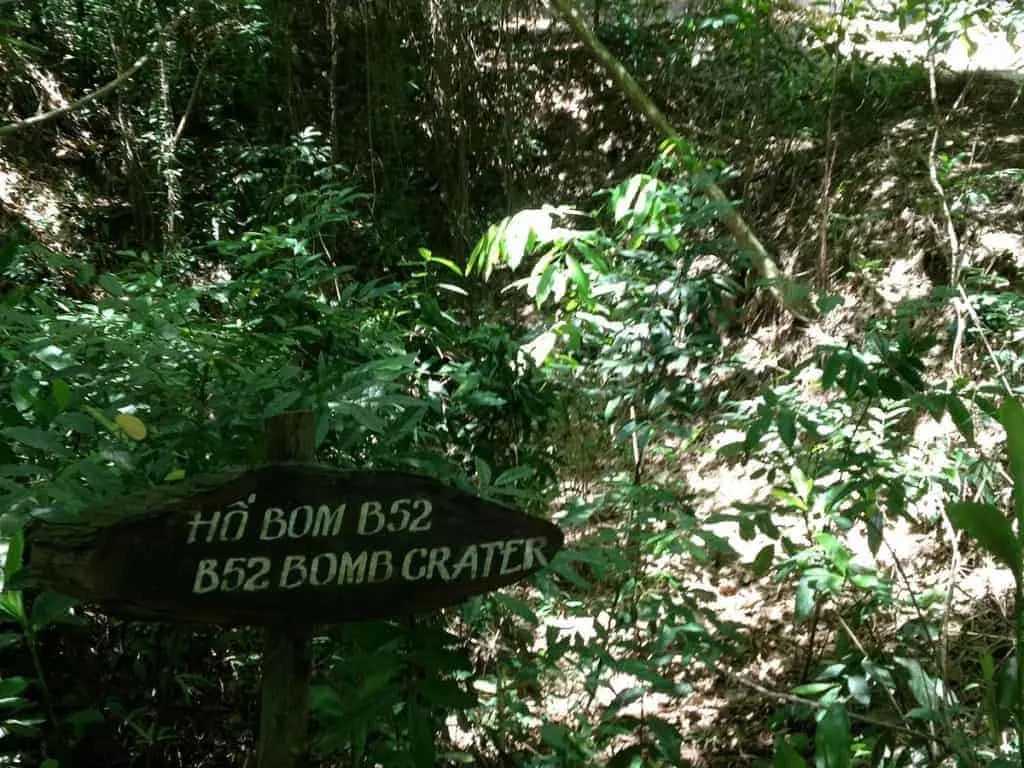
(381, 567)
(328, 522)
(489, 548)
(273, 520)
(323, 568)
(294, 572)
(206, 579)
(233, 575)
(421, 523)
(197, 521)
(297, 529)
(258, 579)
(511, 546)
(438, 563)
(351, 571)
(370, 510)
(408, 574)
(534, 553)
(237, 517)
(468, 562)
(400, 508)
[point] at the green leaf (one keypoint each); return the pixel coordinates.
(545, 284)
(961, 417)
(517, 607)
(11, 688)
(281, 403)
(452, 288)
(109, 282)
(804, 600)
(666, 737)
(39, 439)
(430, 257)
(763, 560)
(786, 756)
(787, 427)
(555, 736)
(510, 476)
(1011, 415)
(830, 370)
(921, 685)
(13, 607)
(814, 689)
(859, 689)
(1006, 690)
(987, 526)
(579, 277)
(592, 255)
(364, 416)
(61, 393)
(832, 740)
(828, 302)
(789, 498)
(13, 557)
(52, 608)
(803, 484)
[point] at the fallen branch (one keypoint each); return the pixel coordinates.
(791, 295)
(12, 128)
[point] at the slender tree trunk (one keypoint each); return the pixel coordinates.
(168, 161)
(332, 29)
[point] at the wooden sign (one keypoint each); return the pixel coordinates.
(289, 542)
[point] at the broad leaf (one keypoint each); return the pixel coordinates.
(832, 740)
(987, 526)
(1011, 414)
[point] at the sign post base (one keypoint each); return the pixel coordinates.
(287, 651)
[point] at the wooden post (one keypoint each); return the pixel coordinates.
(287, 650)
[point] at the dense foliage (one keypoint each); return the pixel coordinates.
(439, 228)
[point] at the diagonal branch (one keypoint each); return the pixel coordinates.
(791, 295)
(12, 128)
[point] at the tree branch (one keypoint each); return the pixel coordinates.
(188, 110)
(12, 128)
(791, 295)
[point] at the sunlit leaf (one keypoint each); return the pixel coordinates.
(579, 277)
(541, 347)
(804, 600)
(132, 426)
